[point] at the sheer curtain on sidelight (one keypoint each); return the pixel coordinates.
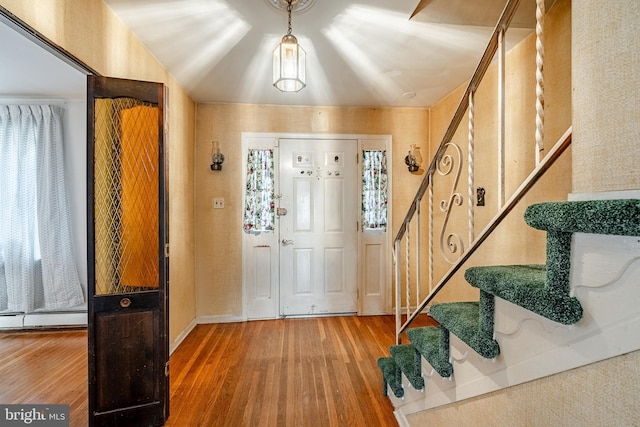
(259, 209)
(374, 190)
(36, 257)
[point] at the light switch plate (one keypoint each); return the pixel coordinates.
(218, 203)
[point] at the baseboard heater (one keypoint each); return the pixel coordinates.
(43, 320)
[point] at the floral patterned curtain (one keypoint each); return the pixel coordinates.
(259, 211)
(374, 190)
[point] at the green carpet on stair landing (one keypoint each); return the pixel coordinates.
(526, 286)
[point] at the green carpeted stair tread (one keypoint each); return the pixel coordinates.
(408, 360)
(526, 286)
(616, 217)
(464, 321)
(432, 342)
(391, 376)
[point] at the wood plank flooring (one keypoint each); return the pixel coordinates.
(293, 372)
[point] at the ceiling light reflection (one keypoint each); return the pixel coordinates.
(187, 53)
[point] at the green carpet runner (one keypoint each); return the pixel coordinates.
(542, 289)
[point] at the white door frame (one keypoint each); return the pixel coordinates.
(264, 303)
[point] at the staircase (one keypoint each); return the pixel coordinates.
(484, 345)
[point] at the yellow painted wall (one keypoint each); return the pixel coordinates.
(89, 30)
(218, 232)
(606, 96)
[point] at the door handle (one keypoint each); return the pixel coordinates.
(286, 242)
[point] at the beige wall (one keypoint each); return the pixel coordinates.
(89, 30)
(606, 125)
(606, 95)
(601, 394)
(218, 232)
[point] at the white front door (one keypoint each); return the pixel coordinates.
(318, 233)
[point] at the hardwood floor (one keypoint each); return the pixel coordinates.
(45, 368)
(293, 372)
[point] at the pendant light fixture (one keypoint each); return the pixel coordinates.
(289, 61)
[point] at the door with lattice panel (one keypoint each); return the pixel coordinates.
(127, 250)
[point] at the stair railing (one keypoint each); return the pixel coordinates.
(447, 156)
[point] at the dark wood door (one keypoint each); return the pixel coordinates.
(128, 267)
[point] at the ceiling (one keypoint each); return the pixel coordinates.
(359, 53)
(29, 71)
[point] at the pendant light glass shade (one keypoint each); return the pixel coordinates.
(289, 62)
(289, 65)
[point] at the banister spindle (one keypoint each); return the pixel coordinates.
(540, 12)
(418, 244)
(471, 165)
(408, 269)
(430, 203)
(501, 119)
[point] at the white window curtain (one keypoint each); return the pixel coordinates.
(36, 256)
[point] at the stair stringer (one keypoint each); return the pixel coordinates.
(604, 277)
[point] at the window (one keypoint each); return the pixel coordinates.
(36, 258)
(259, 211)
(374, 190)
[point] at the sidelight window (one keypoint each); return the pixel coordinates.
(259, 209)
(374, 190)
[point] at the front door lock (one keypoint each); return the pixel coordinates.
(281, 211)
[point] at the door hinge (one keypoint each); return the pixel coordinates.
(166, 369)
(166, 250)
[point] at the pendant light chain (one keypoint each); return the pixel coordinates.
(289, 12)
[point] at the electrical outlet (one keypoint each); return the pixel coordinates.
(218, 203)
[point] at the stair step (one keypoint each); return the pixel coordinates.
(526, 286)
(408, 360)
(432, 342)
(391, 376)
(472, 322)
(615, 217)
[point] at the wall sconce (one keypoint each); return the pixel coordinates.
(414, 159)
(217, 158)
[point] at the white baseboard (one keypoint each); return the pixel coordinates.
(220, 319)
(43, 320)
(181, 336)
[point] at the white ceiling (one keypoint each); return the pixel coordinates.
(359, 53)
(27, 70)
